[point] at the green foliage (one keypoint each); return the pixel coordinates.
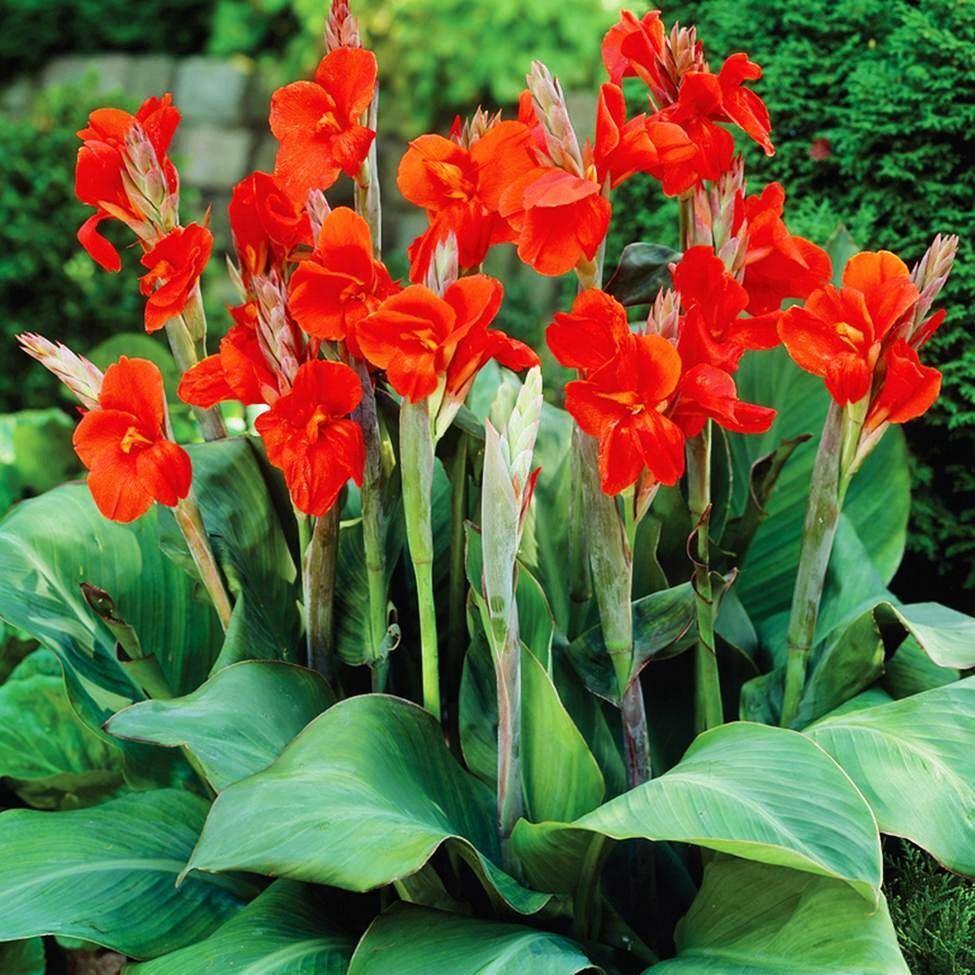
(933, 912)
(872, 113)
(34, 30)
(48, 284)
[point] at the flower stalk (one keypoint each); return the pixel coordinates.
(318, 577)
(708, 711)
(819, 530)
(190, 523)
(417, 458)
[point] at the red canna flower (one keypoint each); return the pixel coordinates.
(460, 188)
(637, 396)
(623, 147)
(239, 371)
(318, 123)
(560, 218)
(712, 330)
(307, 434)
(591, 334)
(778, 265)
(103, 163)
(123, 443)
(622, 407)
(839, 332)
(175, 264)
(421, 339)
(341, 283)
(265, 224)
(907, 391)
(632, 48)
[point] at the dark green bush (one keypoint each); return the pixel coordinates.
(873, 109)
(33, 30)
(48, 284)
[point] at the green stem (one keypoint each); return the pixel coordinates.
(818, 532)
(580, 582)
(708, 711)
(190, 523)
(457, 631)
(636, 735)
(318, 574)
(510, 803)
(417, 458)
(586, 913)
(373, 526)
(187, 340)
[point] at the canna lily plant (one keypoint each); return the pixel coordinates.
(412, 662)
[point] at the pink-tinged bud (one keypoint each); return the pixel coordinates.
(341, 28)
(81, 377)
(550, 108)
(930, 275)
(147, 186)
(664, 316)
(682, 52)
(444, 268)
(277, 334)
(717, 216)
(476, 127)
(318, 209)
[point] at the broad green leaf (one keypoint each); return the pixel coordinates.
(841, 247)
(51, 544)
(876, 506)
(913, 760)
(659, 622)
(107, 874)
(236, 723)
(246, 534)
(281, 932)
(643, 270)
(418, 941)
(946, 636)
(52, 759)
(756, 919)
(911, 671)
(363, 796)
(22, 957)
(757, 792)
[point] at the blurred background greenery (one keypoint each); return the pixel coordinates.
(873, 106)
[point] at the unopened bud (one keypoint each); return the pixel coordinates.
(444, 268)
(664, 316)
(341, 28)
(553, 115)
(682, 52)
(81, 377)
(317, 208)
(930, 274)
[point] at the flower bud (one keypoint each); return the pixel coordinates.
(341, 28)
(81, 377)
(930, 274)
(550, 107)
(444, 268)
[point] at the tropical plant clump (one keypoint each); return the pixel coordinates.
(399, 667)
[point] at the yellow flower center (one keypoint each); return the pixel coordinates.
(133, 438)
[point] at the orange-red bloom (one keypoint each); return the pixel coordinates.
(637, 396)
(307, 434)
(623, 147)
(712, 330)
(839, 333)
(421, 339)
(778, 265)
(318, 123)
(908, 388)
(101, 163)
(123, 443)
(341, 283)
(175, 264)
(265, 224)
(239, 371)
(632, 48)
(559, 218)
(460, 188)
